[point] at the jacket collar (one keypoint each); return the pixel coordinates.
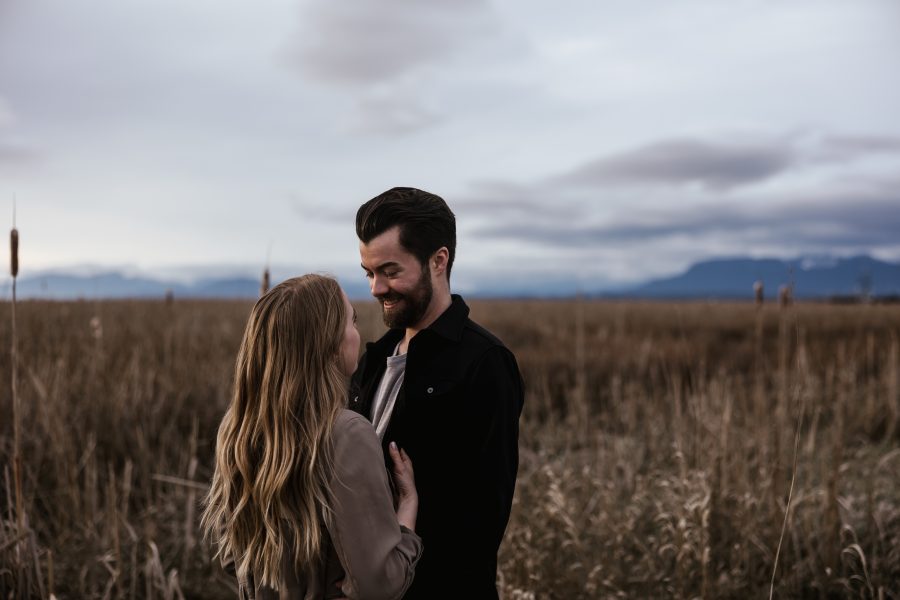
(449, 325)
(452, 321)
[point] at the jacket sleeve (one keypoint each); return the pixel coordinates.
(496, 400)
(378, 555)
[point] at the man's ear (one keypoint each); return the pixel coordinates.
(438, 261)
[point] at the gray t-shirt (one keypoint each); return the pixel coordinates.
(388, 388)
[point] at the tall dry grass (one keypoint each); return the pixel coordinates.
(679, 487)
(657, 448)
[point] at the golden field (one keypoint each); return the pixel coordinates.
(659, 444)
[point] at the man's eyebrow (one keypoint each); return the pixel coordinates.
(382, 266)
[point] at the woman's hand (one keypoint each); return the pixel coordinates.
(405, 484)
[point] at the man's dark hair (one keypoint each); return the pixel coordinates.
(426, 222)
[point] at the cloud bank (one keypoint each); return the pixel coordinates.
(386, 53)
(785, 194)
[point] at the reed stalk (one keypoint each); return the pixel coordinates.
(787, 508)
(264, 284)
(17, 411)
(893, 388)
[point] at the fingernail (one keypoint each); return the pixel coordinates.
(393, 445)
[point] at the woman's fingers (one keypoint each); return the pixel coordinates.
(407, 461)
(403, 468)
(399, 455)
(407, 497)
(396, 455)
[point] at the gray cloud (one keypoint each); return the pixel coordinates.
(322, 213)
(392, 114)
(722, 165)
(827, 220)
(865, 143)
(504, 200)
(15, 155)
(12, 153)
(840, 148)
(6, 113)
(373, 41)
(386, 53)
(485, 201)
(714, 165)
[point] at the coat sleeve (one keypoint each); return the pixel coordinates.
(496, 400)
(378, 555)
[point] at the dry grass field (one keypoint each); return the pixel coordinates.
(659, 444)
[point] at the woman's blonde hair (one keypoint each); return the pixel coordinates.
(269, 491)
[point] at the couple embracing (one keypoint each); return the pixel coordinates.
(313, 494)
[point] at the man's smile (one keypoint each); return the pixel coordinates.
(391, 301)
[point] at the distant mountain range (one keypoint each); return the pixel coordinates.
(720, 278)
(810, 278)
(60, 286)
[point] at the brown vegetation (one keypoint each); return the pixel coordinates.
(657, 448)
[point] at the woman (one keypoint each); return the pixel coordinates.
(300, 501)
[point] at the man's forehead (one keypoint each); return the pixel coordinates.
(384, 248)
(374, 261)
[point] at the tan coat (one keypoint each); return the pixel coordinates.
(367, 549)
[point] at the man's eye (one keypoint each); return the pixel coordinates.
(368, 275)
(390, 274)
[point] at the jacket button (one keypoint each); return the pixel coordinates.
(430, 390)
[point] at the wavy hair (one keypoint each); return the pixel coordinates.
(274, 454)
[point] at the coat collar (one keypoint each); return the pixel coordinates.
(452, 321)
(449, 325)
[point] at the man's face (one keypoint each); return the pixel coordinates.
(397, 279)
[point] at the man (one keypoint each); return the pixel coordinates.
(443, 388)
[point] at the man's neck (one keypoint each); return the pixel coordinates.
(439, 304)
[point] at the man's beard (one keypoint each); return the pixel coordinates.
(413, 305)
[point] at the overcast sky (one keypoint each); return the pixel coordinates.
(604, 142)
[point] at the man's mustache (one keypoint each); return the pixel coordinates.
(389, 297)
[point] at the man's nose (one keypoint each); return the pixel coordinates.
(378, 287)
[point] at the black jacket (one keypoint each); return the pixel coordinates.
(457, 416)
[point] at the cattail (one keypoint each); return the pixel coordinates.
(785, 296)
(14, 251)
(758, 292)
(265, 282)
(96, 328)
(264, 285)
(13, 352)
